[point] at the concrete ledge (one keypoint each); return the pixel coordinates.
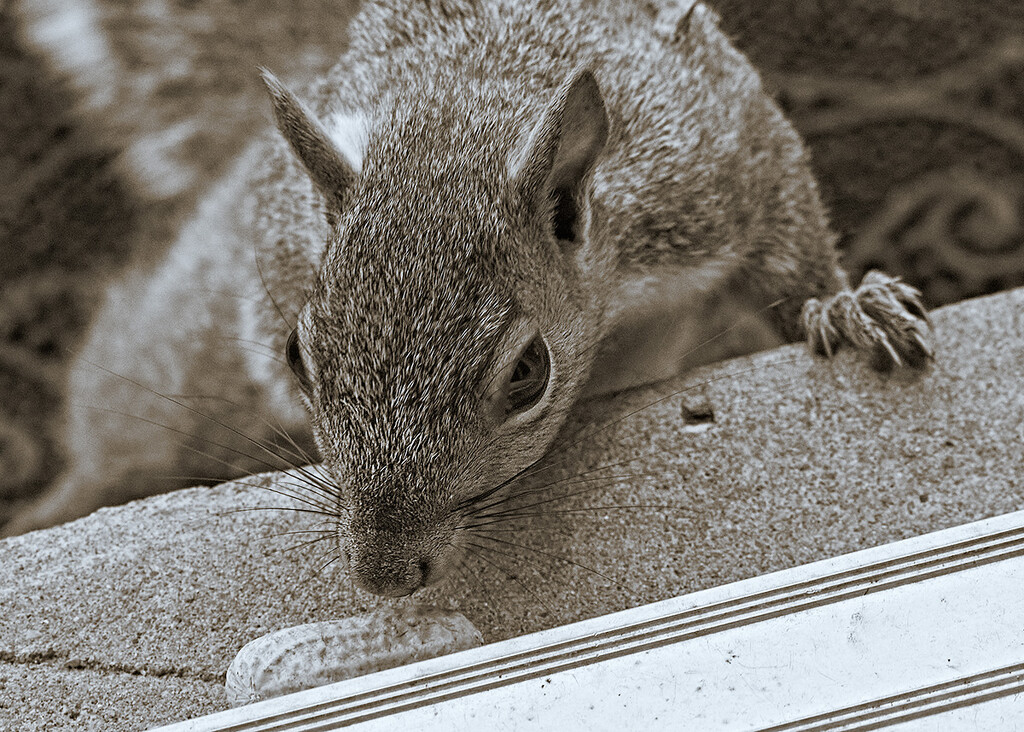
(916, 634)
(49, 695)
(802, 459)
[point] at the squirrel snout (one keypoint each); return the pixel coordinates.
(397, 573)
(394, 580)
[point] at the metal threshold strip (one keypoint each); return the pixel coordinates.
(911, 633)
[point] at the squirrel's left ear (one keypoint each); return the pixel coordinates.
(562, 148)
(332, 174)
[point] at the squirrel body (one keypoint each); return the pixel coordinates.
(482, 213)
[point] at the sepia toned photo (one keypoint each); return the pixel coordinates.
(512, 365)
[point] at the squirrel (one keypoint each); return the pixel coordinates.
(484, 212)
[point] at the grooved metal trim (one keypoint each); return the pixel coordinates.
(484, 675)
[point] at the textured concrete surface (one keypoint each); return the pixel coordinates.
(130, 617)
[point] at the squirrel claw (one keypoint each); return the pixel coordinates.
(883, 316)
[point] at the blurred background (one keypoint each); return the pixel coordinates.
(913, 110)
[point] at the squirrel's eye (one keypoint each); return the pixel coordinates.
(293, 352)
(529, 379)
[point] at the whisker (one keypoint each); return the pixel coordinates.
(297, 449)
(748, 318)
(612, 480)
(486, 527)
(491, 491)
(464, 569)
(476, 528)
(316, 484)
(568, 480)
(312, 498)
(312, 502)
(276, 427)
(313, 491)
(319, 570)
(263, 282)
(562, 558)
(478, 550)
(248, 509)
(272, 355)
(232, 467)
(296, 532)
(296, 452)
(222, 293)
(193, 410)
(250, 341)
(479, 502)
(306, 544)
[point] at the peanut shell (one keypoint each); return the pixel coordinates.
(306, 656)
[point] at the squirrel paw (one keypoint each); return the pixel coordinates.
(883, 316)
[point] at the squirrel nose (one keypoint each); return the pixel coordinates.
(393, 579)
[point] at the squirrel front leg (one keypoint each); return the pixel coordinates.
(791, 257)
(883, 316)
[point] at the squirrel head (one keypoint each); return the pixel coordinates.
(456, 310)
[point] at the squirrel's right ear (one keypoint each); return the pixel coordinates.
(332, 174)
(562, 148)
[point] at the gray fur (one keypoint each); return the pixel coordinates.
(440, 246)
